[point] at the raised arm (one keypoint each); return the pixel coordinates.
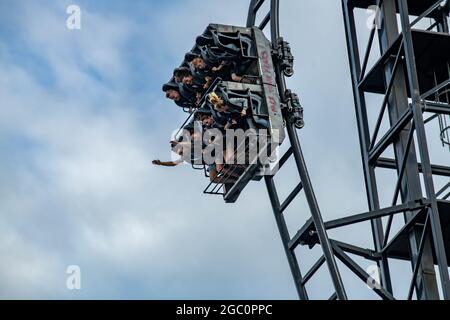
(168, 163)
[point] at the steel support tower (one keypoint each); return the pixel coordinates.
(412, 75)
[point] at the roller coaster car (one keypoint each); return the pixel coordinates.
(260, 93)
(234, 41)
(254, 50)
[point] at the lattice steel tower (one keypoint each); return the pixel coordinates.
(413, 77)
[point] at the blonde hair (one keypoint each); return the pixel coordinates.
(215, 99)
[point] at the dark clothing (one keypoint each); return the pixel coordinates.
(183, 103)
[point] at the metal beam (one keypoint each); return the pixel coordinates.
(315, 212)
(440, 108)
(313, 269)
(435, 169)
(358, 218)
(365, 253)
(418, 103)
(291, 196)
(411, 189)
(364, 137)
(338, 223)
(360, 273)
(390, 136)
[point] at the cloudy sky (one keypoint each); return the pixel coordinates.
(82, 116)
